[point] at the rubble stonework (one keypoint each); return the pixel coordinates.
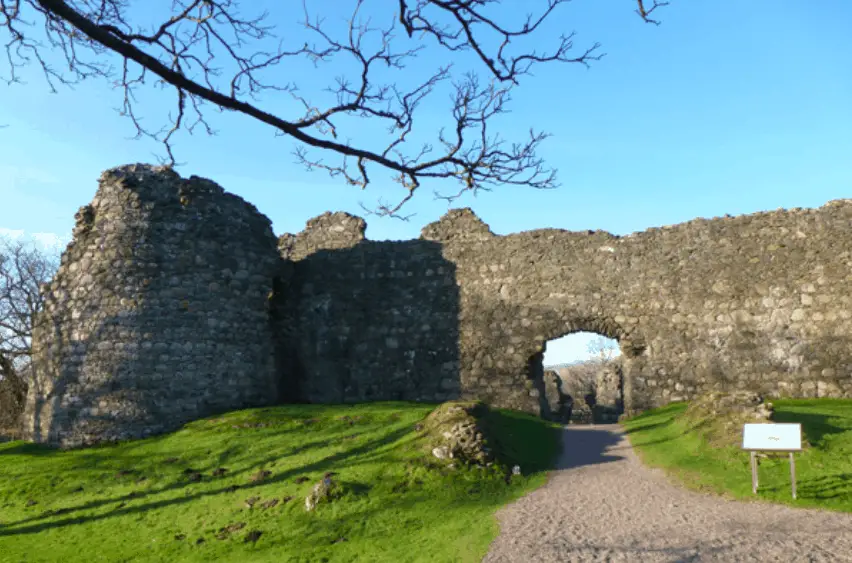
(760, 302)
(158, 314)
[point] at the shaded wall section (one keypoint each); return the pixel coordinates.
(365, 320)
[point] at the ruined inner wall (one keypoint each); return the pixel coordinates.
(158, 314)
(758, 301)
(367, 320)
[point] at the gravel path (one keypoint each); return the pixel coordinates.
(602, 504)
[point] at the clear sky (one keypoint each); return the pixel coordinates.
(728, 107)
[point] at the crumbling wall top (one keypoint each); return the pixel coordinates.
(328, 231)
(455, 225)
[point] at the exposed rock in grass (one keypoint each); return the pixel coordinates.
(457, 431)
(225, 532)
(260, 476)
(323, 491)
(270, 503)
(329, 489)
(351, 420)
(253, 536)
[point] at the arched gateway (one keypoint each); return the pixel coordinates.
(761, 301)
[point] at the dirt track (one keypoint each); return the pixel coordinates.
(602, 505)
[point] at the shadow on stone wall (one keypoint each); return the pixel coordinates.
(373, 322)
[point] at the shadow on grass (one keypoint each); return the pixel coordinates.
(687, 430)
(649, 426)
(27, 448)
(814, 426)
(518, 440)
(825, 487)
(319, 466)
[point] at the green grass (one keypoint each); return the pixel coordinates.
(134, 502)
(666, 439)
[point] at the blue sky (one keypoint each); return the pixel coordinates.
(728, 107)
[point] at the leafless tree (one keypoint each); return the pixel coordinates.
(23, 267)
(181, 49)
(604, 349)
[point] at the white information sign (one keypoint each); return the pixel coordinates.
(769, 436)
(772, 437)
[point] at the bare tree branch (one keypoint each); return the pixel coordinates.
(643, 13)
(23, 268)
(180, 52)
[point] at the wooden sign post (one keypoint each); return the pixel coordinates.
(772, 437)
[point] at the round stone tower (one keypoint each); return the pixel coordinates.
(158, 315)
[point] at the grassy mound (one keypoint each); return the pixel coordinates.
(233, 488)
(470, 433)
(719, 417)
(705, 454)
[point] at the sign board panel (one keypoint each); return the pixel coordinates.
(785, 437)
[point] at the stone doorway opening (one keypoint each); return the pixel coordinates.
(582, 379)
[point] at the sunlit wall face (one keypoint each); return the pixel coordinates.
(579, 347)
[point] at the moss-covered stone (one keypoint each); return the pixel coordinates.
(457, 432)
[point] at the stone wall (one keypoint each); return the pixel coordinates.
(367, 320)
(158, 314)
(756, 302)
(172, 303)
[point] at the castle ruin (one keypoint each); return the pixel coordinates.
(175, 301)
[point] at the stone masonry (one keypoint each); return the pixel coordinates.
(759, 302)
(158, 315)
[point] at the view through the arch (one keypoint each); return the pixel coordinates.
(580, 347)
(583, 378)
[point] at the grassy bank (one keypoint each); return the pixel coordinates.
(183, 496)
(666, 439)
